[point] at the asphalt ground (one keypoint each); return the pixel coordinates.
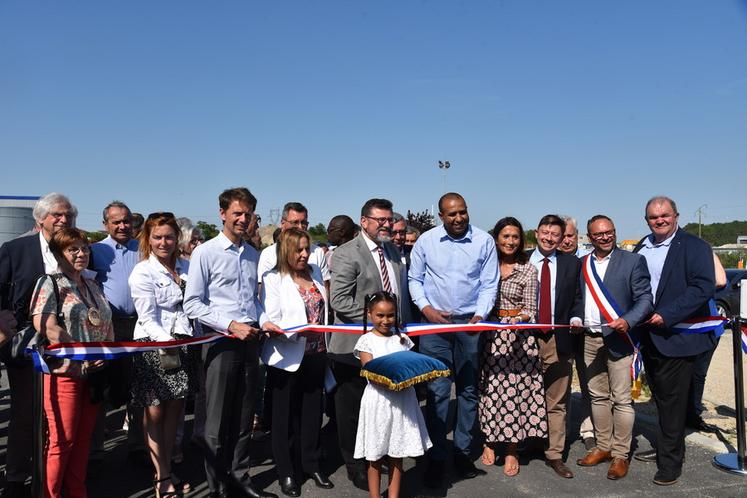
(119, 476)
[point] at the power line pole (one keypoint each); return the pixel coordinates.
(699, 212)
(443, 166)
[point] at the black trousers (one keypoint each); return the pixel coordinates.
(350, 387)
(297, 416)
(669, 379)
(230, 382)
(697, 385)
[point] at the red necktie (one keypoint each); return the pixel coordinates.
(545, 306)
(384, 272)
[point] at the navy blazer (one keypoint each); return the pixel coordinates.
(21, 265)
(687, 283)
(629, 283)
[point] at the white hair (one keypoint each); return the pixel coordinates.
(186, 231)
(47, 203)
(568, 219)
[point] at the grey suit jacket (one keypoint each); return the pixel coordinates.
(355, 275)
(628, 281)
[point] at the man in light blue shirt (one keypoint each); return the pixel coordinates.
(113, 260)
(222, 294)
(453, 278)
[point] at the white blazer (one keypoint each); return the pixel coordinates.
(158, 300)
(285, 308)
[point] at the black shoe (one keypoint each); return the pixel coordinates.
(219, 494)
(433, 477)
(701, 425)
(589, 443)
(646, 456)
(663, 479)
(289, 487)
(247, 490)
(16, 489)
(322, 481)
(359, 478)
(464, 467)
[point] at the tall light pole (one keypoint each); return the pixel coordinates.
(443, 166)
(699, 212)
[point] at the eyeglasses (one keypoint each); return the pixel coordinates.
(297, 223)
(74, 251)
(160, 214)
(381, 221)
(602, 235)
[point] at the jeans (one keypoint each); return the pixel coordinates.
(459, 351)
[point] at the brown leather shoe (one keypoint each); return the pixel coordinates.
(559, 467)
(594, 457)
(618, 469)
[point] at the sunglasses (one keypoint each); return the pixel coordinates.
(160, 214)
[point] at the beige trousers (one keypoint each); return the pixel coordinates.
(611, 402)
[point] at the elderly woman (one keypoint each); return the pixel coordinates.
(189, 237)
(161, 379)
(68, 307)
(294, 294)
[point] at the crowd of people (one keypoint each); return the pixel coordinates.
(162, 281)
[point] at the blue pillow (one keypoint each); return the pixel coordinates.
(404, 369)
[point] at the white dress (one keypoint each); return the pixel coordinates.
(390, 422)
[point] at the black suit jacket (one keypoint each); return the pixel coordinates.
(21, 265)
(687, 283)
(568, 300)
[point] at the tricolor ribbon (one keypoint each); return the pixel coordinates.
(744, 338)
(117, 349)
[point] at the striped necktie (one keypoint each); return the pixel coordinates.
(384, 272)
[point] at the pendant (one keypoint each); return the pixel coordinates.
(94, 317)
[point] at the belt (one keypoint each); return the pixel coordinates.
(507, 313)
(593, 334)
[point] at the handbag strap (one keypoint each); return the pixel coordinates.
(56, 289)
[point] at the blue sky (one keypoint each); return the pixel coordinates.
(577, 107)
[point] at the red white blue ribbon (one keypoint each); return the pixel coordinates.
(744, 338)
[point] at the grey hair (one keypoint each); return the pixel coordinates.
(659, 199)
(115, 204)
(569, 219)
(45, 204)
(412, 229)
(186, 230)
(293, 206)
(397, 218)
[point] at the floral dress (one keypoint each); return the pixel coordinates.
(512, 394)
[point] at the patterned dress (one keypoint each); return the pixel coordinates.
(512, 395)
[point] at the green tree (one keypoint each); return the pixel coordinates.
(208, 229)
(97, 236)
(422, 220)
(718, 234)
(318, 233)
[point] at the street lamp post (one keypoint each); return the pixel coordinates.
(443, 166)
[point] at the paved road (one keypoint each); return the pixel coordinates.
(120, 478)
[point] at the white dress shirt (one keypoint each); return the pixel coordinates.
(268, 259)
(50, 262)
(389, 268)
(222, 284)
(536, 259)
(158, 300)
(592, 316)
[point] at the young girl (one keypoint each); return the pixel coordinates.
(390, 422)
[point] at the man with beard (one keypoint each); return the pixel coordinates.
(453, 278)
(367, 264)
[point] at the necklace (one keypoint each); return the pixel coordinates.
(93, 315)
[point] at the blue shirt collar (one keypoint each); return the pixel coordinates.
(649, 242)
(443, 235)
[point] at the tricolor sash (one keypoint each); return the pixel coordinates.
(609, 309)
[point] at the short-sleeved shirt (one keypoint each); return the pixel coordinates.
(74, 308)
